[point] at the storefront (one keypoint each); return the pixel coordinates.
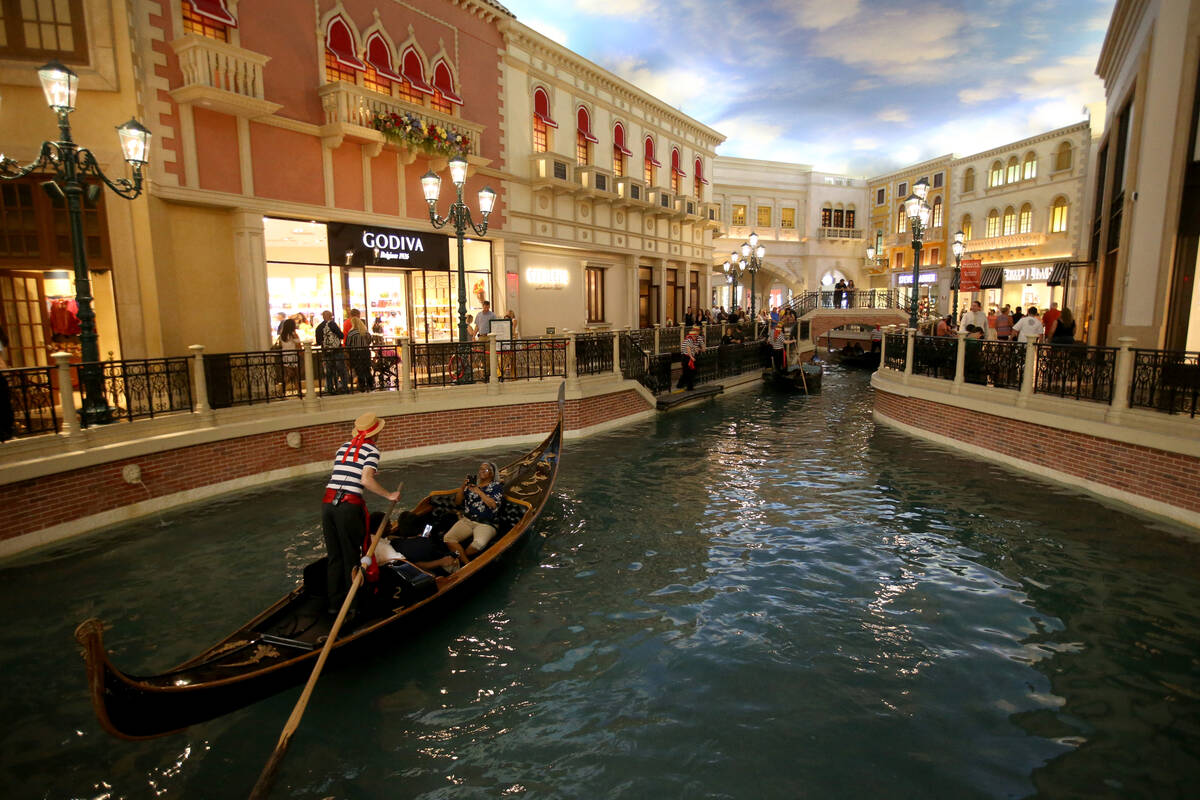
(402, 281)
(927, 292)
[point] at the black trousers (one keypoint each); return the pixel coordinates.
(777, 358)
(687, 376)
(344, 526)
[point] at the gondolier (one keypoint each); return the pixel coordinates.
(778, 343)
(689, 348)
(344, 513)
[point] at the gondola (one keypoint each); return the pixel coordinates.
(279, 647)
(868, 359)
(790, 380)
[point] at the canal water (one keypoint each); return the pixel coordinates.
(767, 597)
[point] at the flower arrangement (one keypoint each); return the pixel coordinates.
(410, 130)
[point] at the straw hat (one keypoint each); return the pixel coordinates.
(368, 425)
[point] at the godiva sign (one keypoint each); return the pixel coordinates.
(368, 246)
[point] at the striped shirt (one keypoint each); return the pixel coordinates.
(348, 474)
(691, 346)
(776, 339)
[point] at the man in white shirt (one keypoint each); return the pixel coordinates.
(977, 318)
(483, 320)
(1029, 328)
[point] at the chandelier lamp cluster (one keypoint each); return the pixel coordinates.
(750, 261)
(460, 215)
(918, 213)
(70, 167)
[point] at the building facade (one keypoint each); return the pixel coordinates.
(809, 222)
(1020, 208)
(889, 233)
(1144, 222)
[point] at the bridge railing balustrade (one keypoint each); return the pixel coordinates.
(935, 356)
(1166, 380)
(593, 353)
(897, 351)
(34, 400)
(995, 363)
(1078, 371)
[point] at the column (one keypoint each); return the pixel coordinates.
(199, 379)
(1122, 376)
(493, 365)
(250, 263)
(885, 330)
(310, 377)
(908, 354)
(617, 353)
(407, 391)
(66, 394)
(572, 367)
(1029, 376)
(960, 360)
(657, 329)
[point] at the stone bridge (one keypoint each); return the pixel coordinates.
(823, 320)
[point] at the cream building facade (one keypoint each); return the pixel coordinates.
(1145, 220)
(1021, 210)
(809, 222)
(608, 195)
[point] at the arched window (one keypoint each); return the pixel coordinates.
(619, 150)
(967, 228)
(901, 221)
(1029, 169)
(1063, 157)
(1058, 215)
(969, 180)
(211, 19)
(380, 74)
(996, 174)
(1014, 171)
(850, 216)
(583, 137)
(936, 217)
(341, 52)
(649, 162)
(444, 96)
(698, 181)
(1010, 221)
(676, 170)
(413, 88)
(827, 216)
(993, 224)
(542, 121)
(839, 216)
(1025, 223)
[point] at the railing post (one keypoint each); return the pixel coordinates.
(572, 367)
(1029, 376)
(657, 329)
(616, 353)
(493, 365)
(406, 370)
(908, 353)
(66, 393)
(960, 360)
(310, 374)
(885, 330)
(1122, 376)
(199, 379)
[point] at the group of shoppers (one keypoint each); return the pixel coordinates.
(1006, 324)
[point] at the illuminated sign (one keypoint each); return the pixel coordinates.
(1027, 274)
(360, 245)
(906, 280)
(546, 278)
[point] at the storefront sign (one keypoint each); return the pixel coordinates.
(906, 280)
(970, 274)
(363, 246)
(547, 278)
(1027, 274)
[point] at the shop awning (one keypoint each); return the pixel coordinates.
(340, 42)
(541, 107)
(583, 124)
(414, 71)
(619, 139)
(214, 10)
(379, 56)
(1058, 275)
(993, 278)
(443, 81)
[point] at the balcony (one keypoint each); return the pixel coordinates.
(1010, 242)
(687, 207)
(711, 213)
(596, 182)
(660, 198)
(221, 77)
(840, 233)
(350, 112)
(554, 172)
(631, 191)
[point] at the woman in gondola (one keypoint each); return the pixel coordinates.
(479, 498)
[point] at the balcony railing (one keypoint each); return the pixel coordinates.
(1076, 371)
(32, 396)
(352, 110)
(222, 77)
(1005, 242)
(840, 233)
(1166, 380)
(935, 356)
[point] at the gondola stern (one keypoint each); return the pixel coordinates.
(90, 636)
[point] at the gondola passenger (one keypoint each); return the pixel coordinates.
(479, 499)
(344, 511)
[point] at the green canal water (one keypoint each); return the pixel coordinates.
(767, 597)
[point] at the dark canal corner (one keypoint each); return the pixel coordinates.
(762, 597)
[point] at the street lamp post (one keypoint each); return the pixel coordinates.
(71, 166)
(918, 213)
(460, 215)
(958, 248)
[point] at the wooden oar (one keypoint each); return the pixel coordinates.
(266, 778)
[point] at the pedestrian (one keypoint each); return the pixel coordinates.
(1050, 319)
(329, 335)
(1029, 328)
(344, 513)
(1004, 325)
(976, 317)
(849, 293)
(483, 320)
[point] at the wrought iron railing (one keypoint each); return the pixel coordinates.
(146, 387)
(32, 396)
(449, 363)
(896, 351)
(1078, 371)
(999, 364)
(633, 357)
(643, 337)
(1166, 380)
(532, 359)
(858, 298)
(935, 356)
(669, 339)
(593, 353)
(242, 379)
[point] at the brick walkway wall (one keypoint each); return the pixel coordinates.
(79, 493)
(1170, 478)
